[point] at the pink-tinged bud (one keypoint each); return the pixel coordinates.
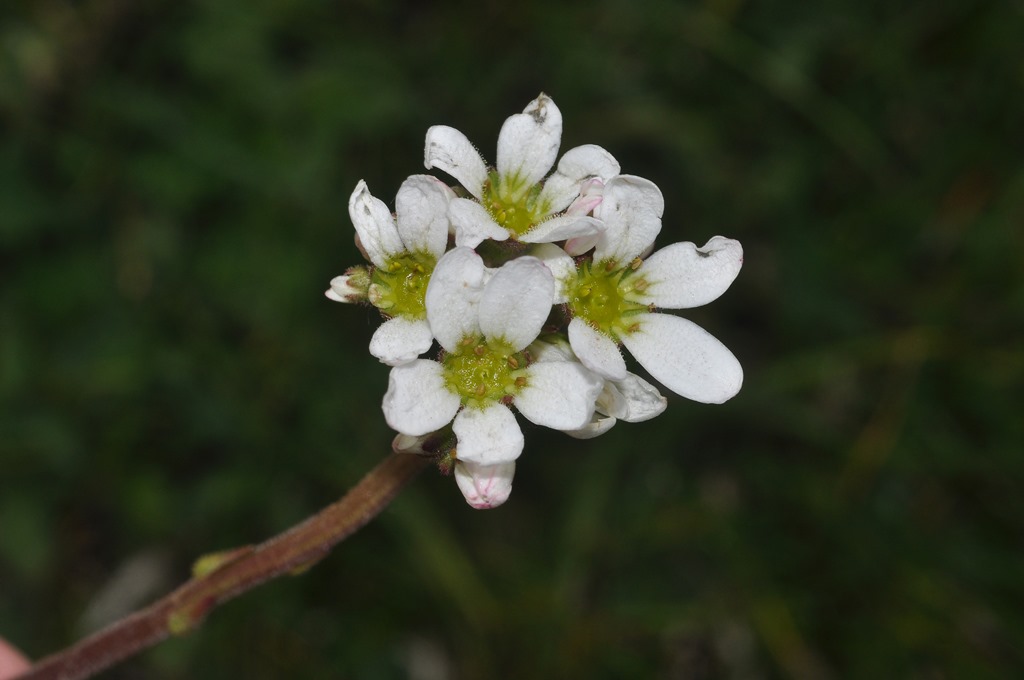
(352, 286)
(590, 197)
(484, 486)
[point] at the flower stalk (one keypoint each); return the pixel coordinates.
(225, 575)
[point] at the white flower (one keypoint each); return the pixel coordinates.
(612, 298)
(403, 250)
(512, 200)
(484, 322)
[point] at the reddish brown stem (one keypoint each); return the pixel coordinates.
(229, 574)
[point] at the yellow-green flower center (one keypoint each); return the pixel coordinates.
(482, 372)
(513, 204)
(398, 288)
(607, 296)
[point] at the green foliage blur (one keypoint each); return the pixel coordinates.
(173, 188)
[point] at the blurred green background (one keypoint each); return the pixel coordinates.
(173, 183)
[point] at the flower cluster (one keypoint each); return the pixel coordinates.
(530, 283)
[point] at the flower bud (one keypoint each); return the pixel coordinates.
(484, 486)
(352, 286)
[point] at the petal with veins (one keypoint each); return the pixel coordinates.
(681, 275)
(422, 214)
(449, 150)
(374, 225)
(685, 358)
(559, 395)
(487, 436)
(484, 486)
(516, 302)
(399, 340)
(597, 351)
(453, 295)
(417, 401)
(631, 209)
(528, 143)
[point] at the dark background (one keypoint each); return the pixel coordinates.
(173, 187)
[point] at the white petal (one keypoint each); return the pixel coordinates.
(640, 399)
(597, 351)
(596, 427)
(488, 436)
(562, 228)
(342, 290)
(685, 358)
(559, 394)
(400, 340)
(473, 224)
(422, 214)
(576, 166)
(484, 486)
(417, 401)
(517, 301)
(562, 267)
(578, 246)
(552, 348)
(610, 401)
(631, 210)
(449, 150)
(682, 275)
(453, 295)
(528, 143)
(374, 225)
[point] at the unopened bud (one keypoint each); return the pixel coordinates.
(352, 286)
(484, 486)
